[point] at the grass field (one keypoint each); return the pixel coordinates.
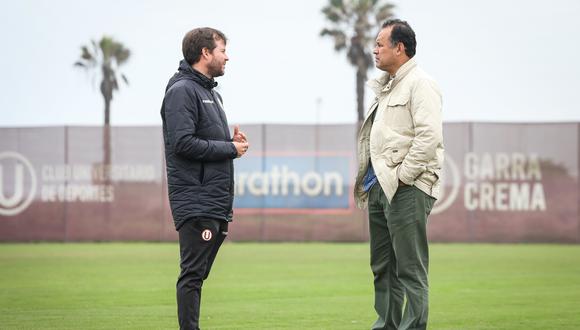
(281, 286)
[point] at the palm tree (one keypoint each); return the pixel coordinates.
(352, 22)
(107, 55)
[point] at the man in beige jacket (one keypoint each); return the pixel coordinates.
(400, 160)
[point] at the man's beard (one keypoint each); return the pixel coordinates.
(215, 69)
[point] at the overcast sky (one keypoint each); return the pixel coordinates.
(494, 60)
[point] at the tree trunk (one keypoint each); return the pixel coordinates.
(107, 92)
(361, 77)
(107, 135)
(107, 111)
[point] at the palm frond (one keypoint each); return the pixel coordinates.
(106, 46)
(114, 83)
(384, 12)
(334, 14)
(338, 36)
(96, 50)
(86, 55)
(121, 54)
(337, 3)
(363, 6)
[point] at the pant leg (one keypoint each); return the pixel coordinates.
(407, 222)
(221, 236)
(199, 240)
(388, 290)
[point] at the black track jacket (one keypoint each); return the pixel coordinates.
(199, 151)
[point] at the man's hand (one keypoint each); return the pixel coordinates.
(241, 147)
(239, 136)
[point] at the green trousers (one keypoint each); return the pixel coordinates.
(400, 257)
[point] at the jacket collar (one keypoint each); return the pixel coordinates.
(386, 82)
(190, 73)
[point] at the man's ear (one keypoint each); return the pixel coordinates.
(205, 52)
(400, 48)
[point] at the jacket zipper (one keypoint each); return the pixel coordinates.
(226, 133)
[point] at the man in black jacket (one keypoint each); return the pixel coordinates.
(199, 153)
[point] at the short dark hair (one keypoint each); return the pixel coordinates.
(198, 39)
(402, 32)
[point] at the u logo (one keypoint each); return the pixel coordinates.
(206, 235)
(17, 183)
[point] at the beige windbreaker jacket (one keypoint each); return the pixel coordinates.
(402, 134)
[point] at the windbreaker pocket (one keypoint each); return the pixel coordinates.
(201, 173)
(395, 156)
(398, 100)
(398, 115)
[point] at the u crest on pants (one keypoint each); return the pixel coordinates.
(206, 235)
